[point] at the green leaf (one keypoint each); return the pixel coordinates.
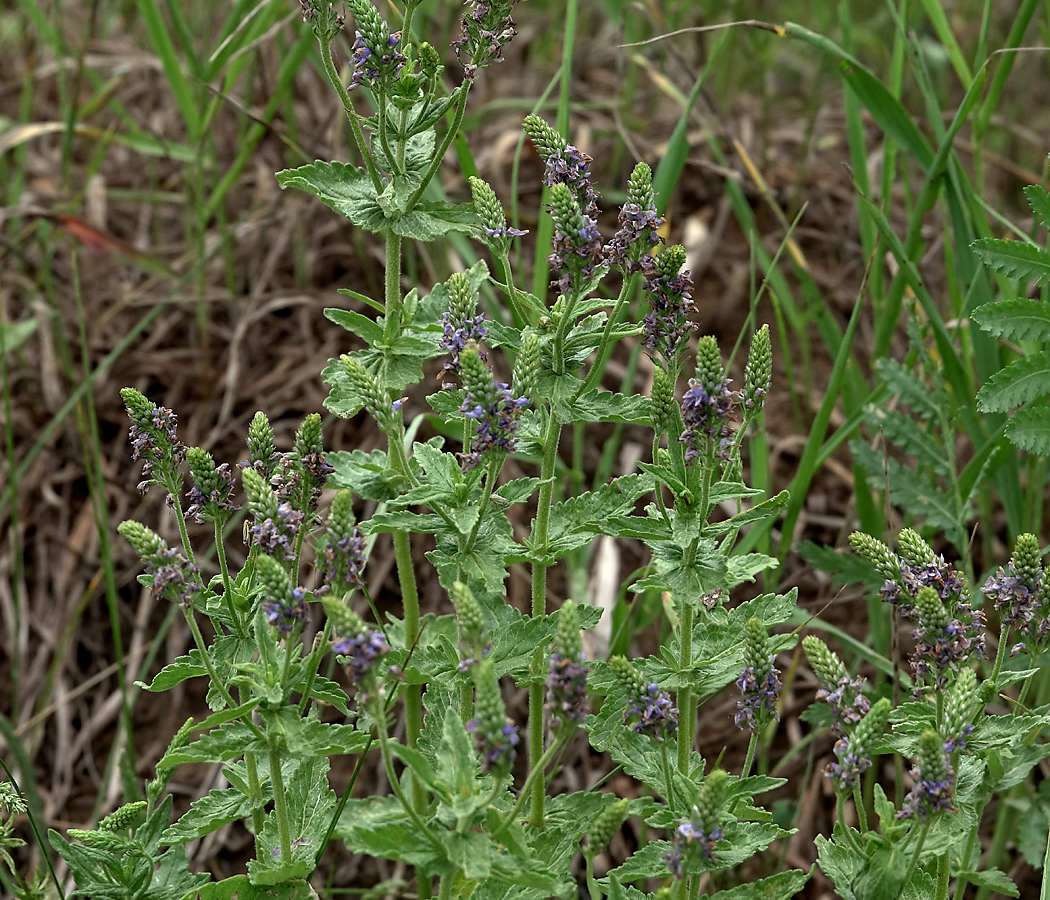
(228, 741)
(1029, 429)
(1019, 383)
(1015, 259)
(607, 407)
(209, 813)
(901, 380)
(369, 330)
(995, 880)
(782, 886)
(1039, 200)
(240, 888)
(905, 432)
(349, 191)
(1015, 320)
(378, 826)
(578, 520)
(367, 474)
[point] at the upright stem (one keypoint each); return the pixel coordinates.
(686, 728)
(540, 528)
(280, 808)
(227, 585)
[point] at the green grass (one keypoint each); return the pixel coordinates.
(930, 99)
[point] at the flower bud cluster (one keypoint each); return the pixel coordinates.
(853, 753)
(342, 558)
(577, 242)
(153, 439)
(934, 780)
(708, 405)
(493, 220)
(360, 644)
(669, 288)
(959, 710)
(697, 836)
(843, 694)
(527, 368)
(1019, 593)
(758, 373)
(950, 631)
(303, 472)
(284, 605)
(495, 735)
(486, 28)
(263, 455)
(473, 644)
(460, 323)
(121, 819)
(759, 680)
(567, 671)
(605, 825)
(211, 493)
(639, 223)
(172, 573)
(653, 711)
(276, 523)
(377, 59)
(491, 405)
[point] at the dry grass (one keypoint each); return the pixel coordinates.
(241, 329)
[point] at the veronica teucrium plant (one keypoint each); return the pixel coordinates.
(470, 714)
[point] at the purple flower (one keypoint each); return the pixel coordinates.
(655, 711)
(567, 688)
(276, 535)
(706, 409)
(169, 568)
(495, 411)
(376, 59)
(761, 691)
(497, 745)
(846, 700)
(667, 325)
(850, 766)
(362, 650)
(486, 28)
(285, 614)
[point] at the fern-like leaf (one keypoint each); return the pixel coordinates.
(1015, 259)
(1029, 429)
(1015, 320)
(906, 433)
(1019, 383)
(930, 404)
(1039, 200)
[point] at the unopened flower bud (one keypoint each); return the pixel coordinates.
(122, 818)
(211, 490)
(495, 735)
(527, 368)
(605, 825)
(877, 553)
(913, 548)
(758, 374)
(368, 391)
(959, 710)
(665, 409)
(262, 451)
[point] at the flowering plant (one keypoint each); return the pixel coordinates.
(469, 803)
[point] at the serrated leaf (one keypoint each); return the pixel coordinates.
(228, 741)
(576, 521)
(607, 407)
(240, 888)
(907, 434)
(1019, 383)
(1039, 200)
(379, 826)
(1015, 259)
(349, 191)
(782, 886)
(1015, 320)
(911, 389)
(995, 880)
(369, 330)
(1029, 429)
(209, 813)
(367, 474)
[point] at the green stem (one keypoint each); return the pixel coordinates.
(685, 695)
(227, 584)
(450, 135)
(392, 288)
(604, 347)
(961, 881)
(491, 474)
(384, 141)
(593, 887)
(942, 877)
(280, 808)
(540, 527)
(750, 757)
(351, 115)
(535, 777)
(914, 864)
(445, 886)
(862, 813)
